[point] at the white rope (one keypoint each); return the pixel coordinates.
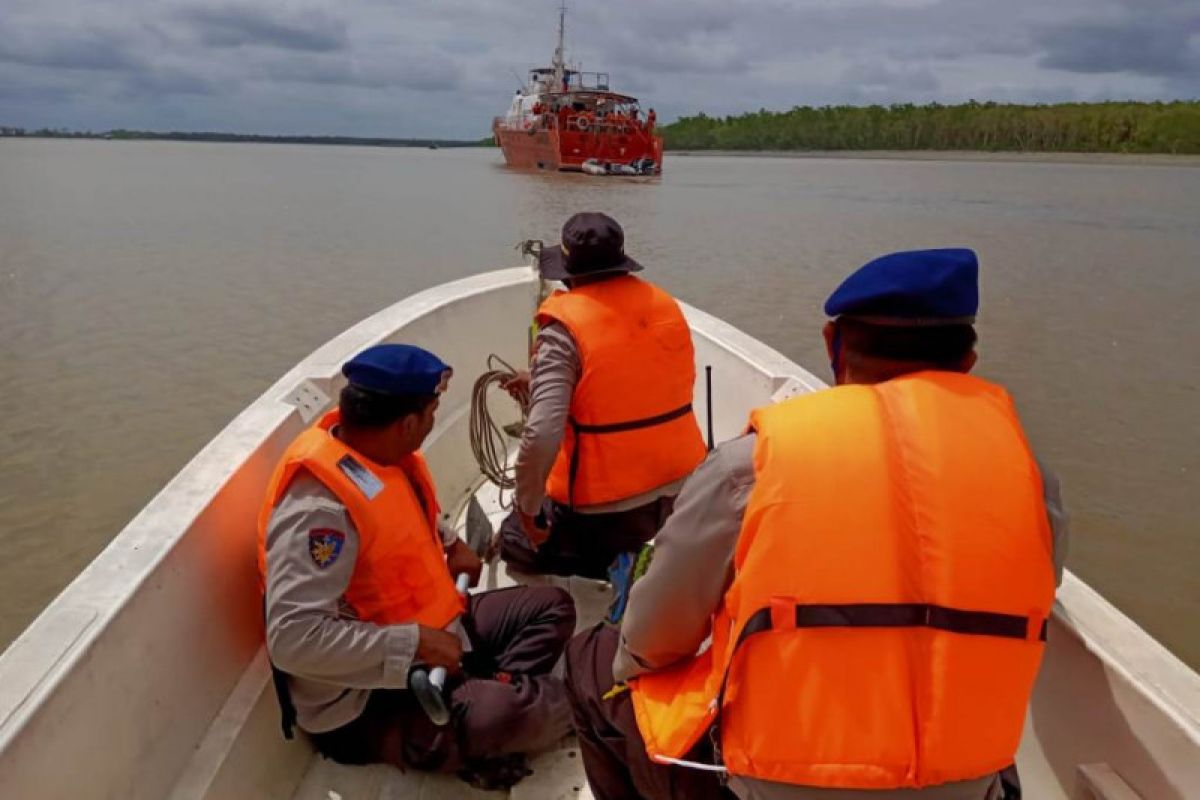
(489, 442)
(679, 762)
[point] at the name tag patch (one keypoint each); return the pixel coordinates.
(325, 545)
(363, 478)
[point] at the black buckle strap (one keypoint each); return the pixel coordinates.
(633, 424)
(615, 427)
(877, 615)
(899, 615)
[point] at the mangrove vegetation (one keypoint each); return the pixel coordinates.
(1119, 127)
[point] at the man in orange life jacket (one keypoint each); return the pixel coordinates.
(888, 553)
(357, 575)
(610, 433)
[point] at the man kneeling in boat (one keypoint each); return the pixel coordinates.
(610, 433)
(849, 600)
(359, 585)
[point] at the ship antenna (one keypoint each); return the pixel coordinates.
(559, 55)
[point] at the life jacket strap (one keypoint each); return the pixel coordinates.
(896, 615)
(633, 424)
(613, 427)
(873, 615)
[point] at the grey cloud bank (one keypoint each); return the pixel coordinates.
(444, 68)
(246, 26)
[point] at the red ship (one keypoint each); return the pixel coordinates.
(565, 119)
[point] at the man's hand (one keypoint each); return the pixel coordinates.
(461, 558)
(438, 648)
(517, 386)
(533, 532)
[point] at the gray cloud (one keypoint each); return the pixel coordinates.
(698, 55)
(17, 88)
(422, 72)
(166, 81)
(953, 48)
(1157, 47)
(876, 75)
(252, 25)
(64, 49)
(444, 67)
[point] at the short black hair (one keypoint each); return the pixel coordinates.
(365, 409)
(938, 345)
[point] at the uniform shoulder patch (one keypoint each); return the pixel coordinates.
(366, 481)
(325, 545)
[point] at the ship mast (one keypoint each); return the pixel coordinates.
(560, 64)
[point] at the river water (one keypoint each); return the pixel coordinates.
(149, 291)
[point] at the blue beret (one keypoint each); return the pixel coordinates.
(916, 287)
(397, 369)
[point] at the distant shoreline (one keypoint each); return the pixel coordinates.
(238, 138)
(995, 156)
(1048, 157)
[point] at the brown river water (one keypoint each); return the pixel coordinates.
(149, 291)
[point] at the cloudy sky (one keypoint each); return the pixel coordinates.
(444, 67)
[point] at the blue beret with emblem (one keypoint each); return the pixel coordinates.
(912, 288)
(397, 369)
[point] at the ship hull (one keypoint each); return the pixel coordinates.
(533, 149)
(558, 149)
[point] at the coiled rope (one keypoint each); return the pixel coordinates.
(489, 441)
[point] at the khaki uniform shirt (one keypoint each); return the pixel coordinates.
(332, 658)
(555, 371)
(670, 608)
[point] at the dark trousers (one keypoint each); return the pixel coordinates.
(581, 544)
(614, 754)
(505, 702)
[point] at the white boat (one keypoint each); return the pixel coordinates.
(147, 677)
(641, 166)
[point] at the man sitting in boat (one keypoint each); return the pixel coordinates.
(359, 584)
(610, 433)
(851, 598)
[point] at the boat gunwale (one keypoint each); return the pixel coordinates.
(1129, 651)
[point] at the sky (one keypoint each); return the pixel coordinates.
(444, 68)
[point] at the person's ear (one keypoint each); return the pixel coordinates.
(968, 362)
(829, 333)
(406, 427)
(833, 347)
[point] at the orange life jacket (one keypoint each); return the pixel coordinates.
(631, 425)
(400, 574)
(893, 576)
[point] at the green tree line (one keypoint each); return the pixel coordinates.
(1124, 127)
